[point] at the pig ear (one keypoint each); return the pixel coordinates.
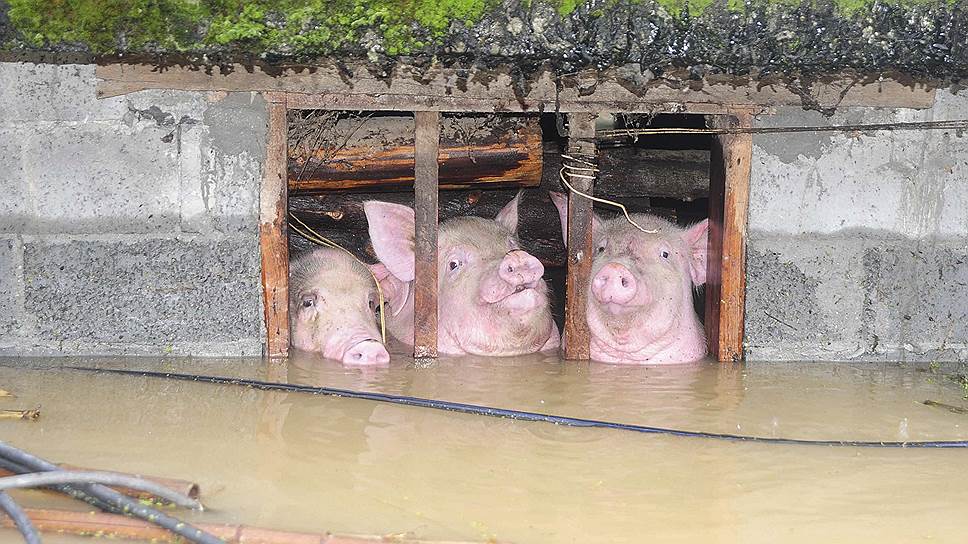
(391, 232)
(395, 292)
(697, 240)
(508, 216)
(560, 201)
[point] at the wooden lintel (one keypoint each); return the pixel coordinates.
(273, 237)
(730, 159)
(581, 145)
(410, 88)
(426, 145)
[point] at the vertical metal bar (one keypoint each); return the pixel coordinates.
(581, 144)
(730, 159)
(273, 236)
(427, 142)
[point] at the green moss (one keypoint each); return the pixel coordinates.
(298, 27)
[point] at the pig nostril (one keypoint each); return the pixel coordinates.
(625, 282)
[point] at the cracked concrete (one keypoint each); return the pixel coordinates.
(128, 225)
(857, 242)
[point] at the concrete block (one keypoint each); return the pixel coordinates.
(826, 182)
(159, 293)
(34, 93)
(15, 198)
(915, 299)
(220, 191)
(104, 179)
(11, 287)
(801, 299)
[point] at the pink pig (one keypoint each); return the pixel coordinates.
(332, 308)
(492, 299)
(640, 301)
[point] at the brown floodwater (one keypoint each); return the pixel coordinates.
(302, 462)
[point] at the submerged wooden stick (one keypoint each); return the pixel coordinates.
(115, 526)
(183, 487)
(20, 414)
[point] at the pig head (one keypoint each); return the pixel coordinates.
(492, 299)
(333, 305)
(640, 306)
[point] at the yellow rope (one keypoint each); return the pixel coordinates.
(316, 238)
(591, 168)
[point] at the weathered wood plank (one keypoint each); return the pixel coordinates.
(378, 153)
(410, 88)
(728, 206)
(273, 236)
(425, 242)
(581, 144)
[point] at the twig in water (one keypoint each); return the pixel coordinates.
(20, 414)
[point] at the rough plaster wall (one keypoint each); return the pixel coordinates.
(127, 225)
(858, 242)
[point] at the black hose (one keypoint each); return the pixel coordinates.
(125, 504)
(114, 479)
(20, 519)
(475, 409)
(66, 489)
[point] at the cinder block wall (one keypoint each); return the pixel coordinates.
(127, 225)
(858, 242)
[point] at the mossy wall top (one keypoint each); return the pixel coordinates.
(915, 37)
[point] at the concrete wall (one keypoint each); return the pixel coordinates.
(858, 242)
(127, 225)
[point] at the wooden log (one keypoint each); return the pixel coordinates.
(122, 527)
(273, 236)
(426, 144)
(377, 153)
(726, 266)
(629, 172)
(581, 145)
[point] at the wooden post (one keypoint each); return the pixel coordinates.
(729, 176)
(581, 145)
(426, 145)
(273, 236)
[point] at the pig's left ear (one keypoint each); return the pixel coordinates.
(508, 216)
(697, 240)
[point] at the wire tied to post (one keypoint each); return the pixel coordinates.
(316, 238)
(571, 171)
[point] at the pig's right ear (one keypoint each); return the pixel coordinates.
(391, 232)
(395, 292)
(560, 201)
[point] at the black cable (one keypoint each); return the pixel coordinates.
(66, 489)
(520, 415)
(127, 505)
(20, 519)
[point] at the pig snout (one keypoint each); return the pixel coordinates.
(367, 352)
(520, 268)
(614, 284)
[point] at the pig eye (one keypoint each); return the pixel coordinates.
(308, 302)
(664, 254)
(453, 265)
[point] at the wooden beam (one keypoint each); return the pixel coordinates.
(412, 88)
(273, 236)
(581, 145)
(730, 160)
(426, 147)
(377, 153)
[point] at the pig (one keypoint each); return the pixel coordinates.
(333, 308)
(492, 299)
(639, 308)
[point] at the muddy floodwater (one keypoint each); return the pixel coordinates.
(301, 462)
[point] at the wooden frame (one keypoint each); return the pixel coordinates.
(726, 274)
